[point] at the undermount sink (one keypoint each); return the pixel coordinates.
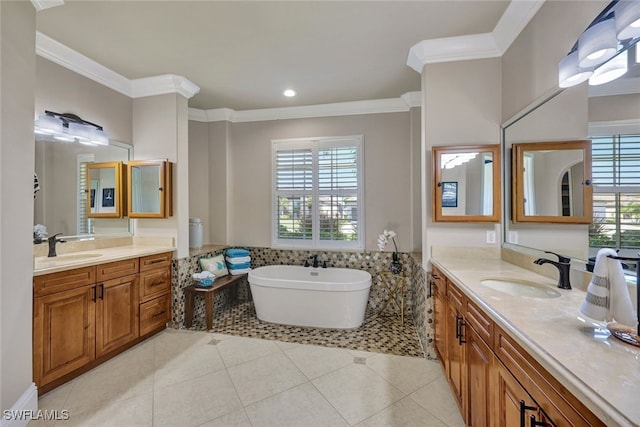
(74, 257)
(520, 288)
(66, 258)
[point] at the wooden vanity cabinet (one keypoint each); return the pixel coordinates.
(490, 374)
(63, 331)
(439, 292)
(84, 316)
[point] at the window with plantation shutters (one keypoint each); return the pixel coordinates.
(317, 193)
(616, 192)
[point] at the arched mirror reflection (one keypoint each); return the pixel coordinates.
(466, 183)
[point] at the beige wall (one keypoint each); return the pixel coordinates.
(461, 107)
(160, 131)
(389, 183)
(530, 65)
(63, 91)
(17, 74)
(616, 107)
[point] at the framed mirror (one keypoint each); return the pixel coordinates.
(61, 204)
(150, 186)
(466, 183)
(551, 182)
(106, 188)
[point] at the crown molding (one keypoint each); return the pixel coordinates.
(623, 86)
(614, 127)
(476, 46)
(70, 59)
(391, 105)
(46, 4)
(160, 85)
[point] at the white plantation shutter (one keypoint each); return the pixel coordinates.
(317, 187)
(616, 192)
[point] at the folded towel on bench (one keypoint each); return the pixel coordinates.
(238, 260)
(236, 252)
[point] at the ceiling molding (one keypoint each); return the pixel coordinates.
(55, 51)
(46, 4)
(392, 105)
(476, 46)
(160, 85)
(614, 127)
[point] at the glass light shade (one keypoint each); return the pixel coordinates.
(48, 124)
(569, 73)
(597, 44)
(627, 17)
(610, 71)
(99, 137)
(80, 131)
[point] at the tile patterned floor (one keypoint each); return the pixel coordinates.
(193, 378)
(379, 334)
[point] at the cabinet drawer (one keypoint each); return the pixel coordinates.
(455, 296)
(117, 269)
(154, 283)
(152, 262)
(480, 322)
(155, 314)
(63, 281)
(552, 397)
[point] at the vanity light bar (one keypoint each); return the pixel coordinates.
(69, 127)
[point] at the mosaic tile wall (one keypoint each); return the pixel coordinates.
(373, 262)
(423, 311)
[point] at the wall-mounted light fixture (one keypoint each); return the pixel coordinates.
(69, 128)
(614, 30)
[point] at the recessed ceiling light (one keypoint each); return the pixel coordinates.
(289, 93)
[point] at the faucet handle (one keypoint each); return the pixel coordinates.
(561, 258)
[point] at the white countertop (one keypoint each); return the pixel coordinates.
(44, 265)
(604, 373)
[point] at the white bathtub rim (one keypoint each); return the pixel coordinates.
(311, 283)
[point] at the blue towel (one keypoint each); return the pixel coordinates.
(241, 266)
(236, 252)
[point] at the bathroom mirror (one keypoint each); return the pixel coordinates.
(466, 183)
(61, 205)
(551, 182)
(150, 185)
(105, 198)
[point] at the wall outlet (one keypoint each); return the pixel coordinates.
(491, 236)
(513, 237)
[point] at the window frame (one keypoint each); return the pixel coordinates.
(316, 143)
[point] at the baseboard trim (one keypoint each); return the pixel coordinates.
(19, 414)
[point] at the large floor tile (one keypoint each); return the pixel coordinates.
(237, 350)
(405, 412)
(234, 419)
(300, 406)
(194, 402)
(406, 373)
(315, 361)
(264, 377)
(134, 412)
(436, 398)
(201, 359)
(357, 392)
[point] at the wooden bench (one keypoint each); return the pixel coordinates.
(207, 292)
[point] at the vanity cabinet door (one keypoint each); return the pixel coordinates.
(63, 333)
(455, 344)
(507, 409)
(439, 289)
(478, 366)
(117, 313)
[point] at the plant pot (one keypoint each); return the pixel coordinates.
(396, 267)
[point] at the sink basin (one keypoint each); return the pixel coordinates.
(520, 288)
(74, 257)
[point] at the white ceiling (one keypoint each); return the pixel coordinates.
(244, 54)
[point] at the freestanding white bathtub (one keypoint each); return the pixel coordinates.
(306, 296)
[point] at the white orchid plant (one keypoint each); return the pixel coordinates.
(383, 239)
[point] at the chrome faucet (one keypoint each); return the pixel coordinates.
(563, 265)
(52, 244)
